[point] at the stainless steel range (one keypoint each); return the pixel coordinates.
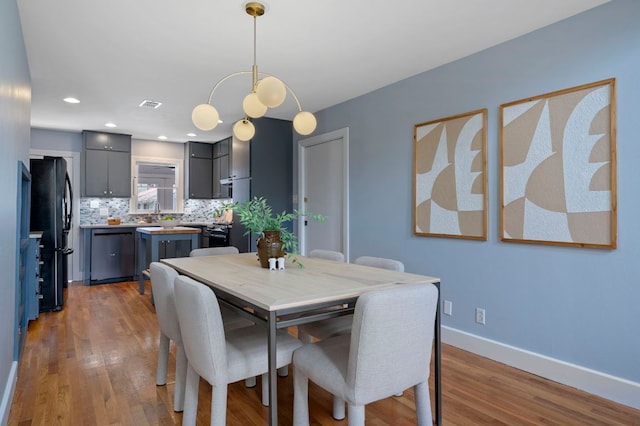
(216, 235)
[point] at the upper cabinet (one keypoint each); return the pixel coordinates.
(198, 170)
(107, 164)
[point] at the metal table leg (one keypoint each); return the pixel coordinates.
(273, 384)
(438, 362)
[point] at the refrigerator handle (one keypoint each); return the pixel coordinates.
(68, 203)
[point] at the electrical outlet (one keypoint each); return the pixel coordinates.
(448, 307)
(480, 316)
(104, 211)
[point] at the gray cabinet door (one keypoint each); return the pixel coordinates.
(96, 170)
(200, 178)
(119, 176)
(220, 171)
(106, 141)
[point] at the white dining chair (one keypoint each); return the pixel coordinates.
(324, 329)
(217, 356)
(327, 254)
(389, 348)
(230, 318)
(162, 279)
(214, 251)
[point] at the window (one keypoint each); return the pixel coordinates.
(156, 185)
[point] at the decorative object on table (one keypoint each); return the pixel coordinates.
(450, 177)
(272, 263)
(274, 238)
(281, 263)
(558, 171)
(169, 222)
(266, 92)
(113, 221)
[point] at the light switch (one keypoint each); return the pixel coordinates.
(95, 204)
(104, 211)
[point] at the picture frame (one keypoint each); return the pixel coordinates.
(450, 177)
(558, 167)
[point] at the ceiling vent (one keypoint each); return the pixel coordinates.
(150, 104)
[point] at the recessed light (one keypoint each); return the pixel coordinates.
(110, 125)
(71, 100)
(164, 138)
(220, 121)
(191, 135)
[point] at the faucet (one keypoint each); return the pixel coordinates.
(156, 211)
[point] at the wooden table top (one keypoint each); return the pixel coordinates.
(159, 230)
(318, 281)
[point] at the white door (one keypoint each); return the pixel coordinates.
(323, 187)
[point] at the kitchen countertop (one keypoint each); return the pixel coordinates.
(140, 225)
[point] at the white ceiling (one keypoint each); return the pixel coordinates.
(114, 54)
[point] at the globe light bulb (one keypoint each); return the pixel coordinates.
(252, 106)
(205, 117)
(271, 92)
(244, 130)
(304, 122)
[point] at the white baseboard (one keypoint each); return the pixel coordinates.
(595, 382)
(7, 396)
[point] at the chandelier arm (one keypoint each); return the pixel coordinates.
(225, 79)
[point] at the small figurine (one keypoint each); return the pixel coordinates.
(272, 263)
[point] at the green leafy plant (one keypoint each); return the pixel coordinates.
(257, 216)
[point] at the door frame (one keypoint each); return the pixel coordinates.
(76, 272)
(340, 134)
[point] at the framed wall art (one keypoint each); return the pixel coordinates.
(558, 167)
(450, 177)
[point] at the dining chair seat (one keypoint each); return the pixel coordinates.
(218, 356)
(389, 348)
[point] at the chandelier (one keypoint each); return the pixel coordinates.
(267, 91)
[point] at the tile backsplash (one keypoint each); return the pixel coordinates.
(200, 211)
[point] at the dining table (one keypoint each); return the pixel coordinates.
(309, 289)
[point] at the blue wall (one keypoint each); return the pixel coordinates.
(15, 110)
(578, 305)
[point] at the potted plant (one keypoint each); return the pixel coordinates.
(274, 238)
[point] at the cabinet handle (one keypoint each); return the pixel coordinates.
(110, 192)
(112, 254)
(105, 192)
(106, 147)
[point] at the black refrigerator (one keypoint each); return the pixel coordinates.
(51, 213)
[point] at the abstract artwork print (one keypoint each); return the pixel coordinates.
(450, 179)
(558, 167)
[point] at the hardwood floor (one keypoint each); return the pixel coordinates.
(94, 363)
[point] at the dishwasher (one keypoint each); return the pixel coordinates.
(112, 254)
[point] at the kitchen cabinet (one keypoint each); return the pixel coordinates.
(34, 276)
(199, 170)
(231, 160)
(112, 255)
(168, 249)
(221, 168)
(107, 164)
(268, 159)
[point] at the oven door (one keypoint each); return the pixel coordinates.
(215, 237)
